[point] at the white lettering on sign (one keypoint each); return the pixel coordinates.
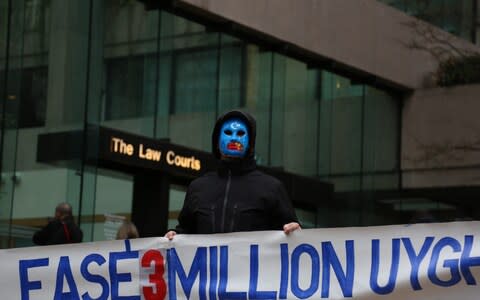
(182, 161)
(118, 145)
(121, 146)
(149, 154)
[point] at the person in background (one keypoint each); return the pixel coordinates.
(127, 230)
(237, 197)
(61, 229)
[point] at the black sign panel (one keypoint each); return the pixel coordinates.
(139, 151)
(116, 149)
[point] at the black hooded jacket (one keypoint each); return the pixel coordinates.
(237, 197)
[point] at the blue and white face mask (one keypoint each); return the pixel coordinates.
(233, 140)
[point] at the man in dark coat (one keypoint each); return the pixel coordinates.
(61, 229)
(237, 197)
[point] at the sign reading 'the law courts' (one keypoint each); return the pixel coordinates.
(121, 146)
(139, 151)
(115, 149)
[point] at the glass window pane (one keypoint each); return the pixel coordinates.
(195, 81)
(193, 85)
(130, 56)
(340, 125)
(258, 93)
(380, 142)
(125, 82)
(175, 204)
(113, 197)
(231, 85)
(300, 121)
(346, 129)
(33, 97)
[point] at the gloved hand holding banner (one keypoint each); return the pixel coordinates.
(423, 261)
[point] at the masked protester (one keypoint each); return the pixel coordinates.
(237, 197)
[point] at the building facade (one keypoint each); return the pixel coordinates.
(109, 105)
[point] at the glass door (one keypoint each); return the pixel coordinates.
(175, 203)
(113, 203)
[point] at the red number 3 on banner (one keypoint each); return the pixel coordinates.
(156, 278)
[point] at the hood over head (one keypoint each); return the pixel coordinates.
(251, 127)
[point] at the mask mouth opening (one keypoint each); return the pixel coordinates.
(235, 146)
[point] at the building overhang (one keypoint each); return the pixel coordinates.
(122, 151)
(364, 40)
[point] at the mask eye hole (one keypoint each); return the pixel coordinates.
(241, 133)
(228, 132)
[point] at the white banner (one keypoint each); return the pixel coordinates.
(423, 261)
